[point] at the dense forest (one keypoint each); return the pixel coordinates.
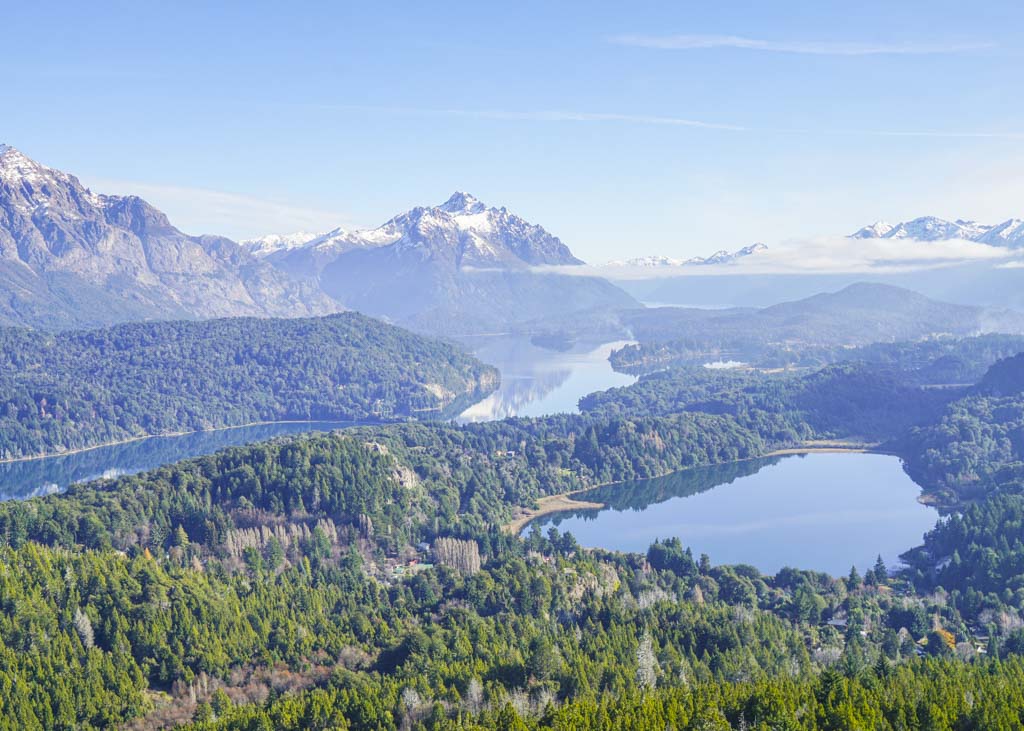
(933, 360)
(864, 321)
(361, 579)
(331, 582)
(849, 400)
(83, 388)
(975, 446)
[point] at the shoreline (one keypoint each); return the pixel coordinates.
(563, 502)
(548, 505)
(164, 435)
(828, 448)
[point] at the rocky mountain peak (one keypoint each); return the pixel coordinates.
(461, 202)
(719, 257)
(70, 257)
(462, 231)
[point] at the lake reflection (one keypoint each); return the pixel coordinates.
(537, 382)
(817, 511)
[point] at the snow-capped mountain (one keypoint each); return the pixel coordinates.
(462, 231)
(70, 257)
(719, 257)
(273, 243)
(1008, 233)
(929, 228)
(457, 267)
(877, 230)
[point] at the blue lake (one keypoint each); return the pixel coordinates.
(21, 480)
(820, 511)
(535, 382)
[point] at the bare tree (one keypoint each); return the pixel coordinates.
(646, 663)
(474, 697)
(83, 625)
(463, 556)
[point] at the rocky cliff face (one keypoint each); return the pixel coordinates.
(71, 257)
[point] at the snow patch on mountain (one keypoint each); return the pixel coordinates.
(660, 262)
(877, 230)
(1009, 234)
(462, 230)
(273, 243)
(125, 258)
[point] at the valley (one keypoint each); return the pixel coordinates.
(554, 510)
(533, 382)
(511, 367)
(374, 530)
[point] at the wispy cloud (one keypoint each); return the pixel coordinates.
(817, 48)
(827, 255)
(562, 116)
(941, 134)
(544, 116)
(199, 210)
(842, 254)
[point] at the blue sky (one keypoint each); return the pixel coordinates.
(671, 128)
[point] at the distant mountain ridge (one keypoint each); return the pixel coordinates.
(719, 257)
(70, 257)
(815, 327)
(858, 314)
(1009, 233)
(457, 268)
(461, 228)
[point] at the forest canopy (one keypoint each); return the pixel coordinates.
(84, 388)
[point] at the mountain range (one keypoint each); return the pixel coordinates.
(70, 257)
(1009, 233)
(719, 257)
(462, 227)
(458, 268)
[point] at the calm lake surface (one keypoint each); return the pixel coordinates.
(538, 382)
(535, 382)
(825, 512)
(21, 480)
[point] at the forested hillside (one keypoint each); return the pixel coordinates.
(975, 448)
(83, 388)
(361, 579)
(871, 322)
(846, 401)
(280, 586)
(958, 442)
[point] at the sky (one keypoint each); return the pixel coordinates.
(675, 128)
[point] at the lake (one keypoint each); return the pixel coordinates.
(822, 511)
(31, 478)
(535, 382)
